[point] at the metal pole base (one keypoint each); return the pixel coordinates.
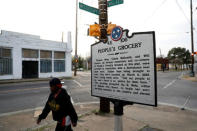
(118, 123)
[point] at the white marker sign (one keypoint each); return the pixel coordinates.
(124, 68)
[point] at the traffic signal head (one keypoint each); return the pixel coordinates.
(94, 30)
(76, 60)
(194, 53)
(110, 28)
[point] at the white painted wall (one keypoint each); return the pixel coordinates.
(18, 41)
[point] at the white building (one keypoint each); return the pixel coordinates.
(28, 56)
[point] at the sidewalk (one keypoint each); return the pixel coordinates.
(135, 118)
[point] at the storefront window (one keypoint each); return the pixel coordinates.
(5, 61)
(45, 61)
(59, 61)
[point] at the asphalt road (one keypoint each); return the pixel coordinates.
(175, 91)
(29, 95)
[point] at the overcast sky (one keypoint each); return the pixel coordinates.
(170, 19)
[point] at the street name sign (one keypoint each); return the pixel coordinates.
(88, 8)
(95, 10)
(114, 2)
(124, 68)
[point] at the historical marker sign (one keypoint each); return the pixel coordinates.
(124, 68)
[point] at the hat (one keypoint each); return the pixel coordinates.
(55, 82)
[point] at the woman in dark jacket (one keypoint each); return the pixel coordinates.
(60, 104)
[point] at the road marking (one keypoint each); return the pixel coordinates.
(80, 85)
(86, 103)
(187, 100)
(65, 87)
(21, 111)
(169, 84)
(84, 75)
(8, 91)
(181, 75)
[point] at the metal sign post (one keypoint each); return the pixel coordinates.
(103, 22)
(118, 113)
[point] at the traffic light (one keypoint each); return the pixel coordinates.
(94, 30)
(110, 28)
(76, 60)
(194, 53)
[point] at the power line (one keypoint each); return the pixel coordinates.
(162, 3)
(181, 9)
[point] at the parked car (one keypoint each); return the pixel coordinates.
(80, 69)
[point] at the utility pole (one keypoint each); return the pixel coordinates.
(103, 19)
(103, 22)
(192, 39)
(76, 34)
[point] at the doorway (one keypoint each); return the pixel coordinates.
(30, 69)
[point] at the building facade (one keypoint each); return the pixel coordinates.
(162, 63)
(28, 56)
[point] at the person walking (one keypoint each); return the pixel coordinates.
(62, 109)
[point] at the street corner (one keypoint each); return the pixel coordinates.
(163, 117)
(189, 78)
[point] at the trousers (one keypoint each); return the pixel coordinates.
(59, 127)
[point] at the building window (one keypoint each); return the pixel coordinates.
(59, 55)
(45, 66)
(29, 53)
(45, 61)
(59, 65)
(59, 61)
(5, 61)
(45, 54)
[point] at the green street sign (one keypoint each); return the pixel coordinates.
(88, 8)
(114, 2)
(95, 10)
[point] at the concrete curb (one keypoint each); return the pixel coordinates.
(29, 80)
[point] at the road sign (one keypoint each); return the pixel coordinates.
(116, 33)
(114, 2)
(88, 8)
(95, 10)
(125, 69)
